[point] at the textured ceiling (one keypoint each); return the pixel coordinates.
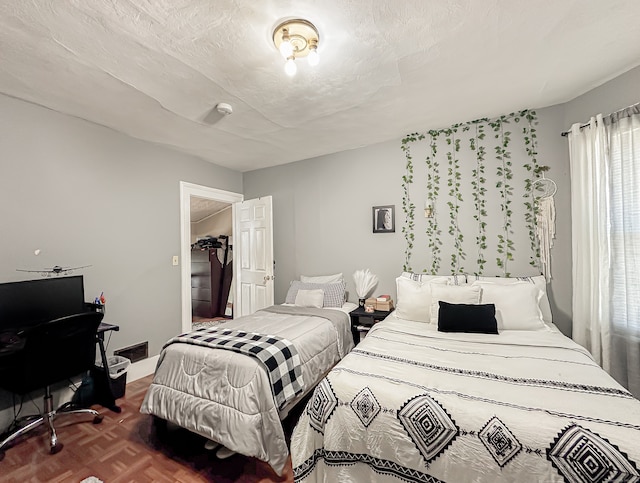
(202, 208)
(155, 69)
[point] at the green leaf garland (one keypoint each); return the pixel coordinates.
(505, 175)
(479, 191)
(505, 179)
(453, 182)
(530, 142)
(433, 188)
(407, 206)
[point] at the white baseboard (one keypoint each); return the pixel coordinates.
(142, 368)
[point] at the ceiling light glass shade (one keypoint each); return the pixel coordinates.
(290, 67)
(313, 58)
(286, 49)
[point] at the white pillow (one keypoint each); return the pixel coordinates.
(322, 278)
(310, 298)
(463, 294)
(414, 299)
(517, 305)
(539, 281)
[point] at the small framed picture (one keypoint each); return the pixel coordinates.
(384, 219)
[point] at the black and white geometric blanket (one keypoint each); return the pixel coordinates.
(277, 355)
(410, 404)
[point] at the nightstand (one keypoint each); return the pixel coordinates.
(362, 319)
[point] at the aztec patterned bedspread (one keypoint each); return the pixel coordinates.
(413, 404)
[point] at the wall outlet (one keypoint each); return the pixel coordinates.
(174, 261)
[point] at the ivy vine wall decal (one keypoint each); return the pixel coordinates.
(488, 201)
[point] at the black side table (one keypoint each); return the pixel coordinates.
(361, 318)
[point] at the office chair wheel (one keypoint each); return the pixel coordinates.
(56, 448)
(98, 419)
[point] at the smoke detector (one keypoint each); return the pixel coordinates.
(224, 108)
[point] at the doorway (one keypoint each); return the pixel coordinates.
(194, 196)
(211, 262)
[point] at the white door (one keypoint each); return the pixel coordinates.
(253, 252)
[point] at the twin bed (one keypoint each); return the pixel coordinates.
(491, 396)
(227, 396)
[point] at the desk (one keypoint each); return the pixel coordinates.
(107, 400)
(11, 342)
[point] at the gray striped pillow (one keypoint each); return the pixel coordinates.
(333, 292)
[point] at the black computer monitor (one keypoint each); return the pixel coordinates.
(23, 304)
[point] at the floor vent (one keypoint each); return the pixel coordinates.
(135, 352)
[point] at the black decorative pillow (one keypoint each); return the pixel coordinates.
(478, 319)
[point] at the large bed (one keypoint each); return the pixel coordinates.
(228, 397)
(414, 403)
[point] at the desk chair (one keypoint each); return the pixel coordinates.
(53, 352)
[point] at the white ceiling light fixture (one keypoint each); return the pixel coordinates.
(294, 39)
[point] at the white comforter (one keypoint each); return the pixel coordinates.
(413, 404)
(226, 396)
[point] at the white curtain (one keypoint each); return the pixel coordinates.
(590, 246)
(605, 211)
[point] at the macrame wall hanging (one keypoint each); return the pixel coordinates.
(543, 190)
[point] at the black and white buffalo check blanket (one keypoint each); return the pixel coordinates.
(277, 355)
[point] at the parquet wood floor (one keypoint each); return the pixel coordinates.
(126, 448)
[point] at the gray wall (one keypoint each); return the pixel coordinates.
(322, 206)
(86, 195)
(323, 222)
(322, 215)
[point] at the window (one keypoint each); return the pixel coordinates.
(624, 196)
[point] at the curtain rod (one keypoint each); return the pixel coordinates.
(633, 109)
(564, 134)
